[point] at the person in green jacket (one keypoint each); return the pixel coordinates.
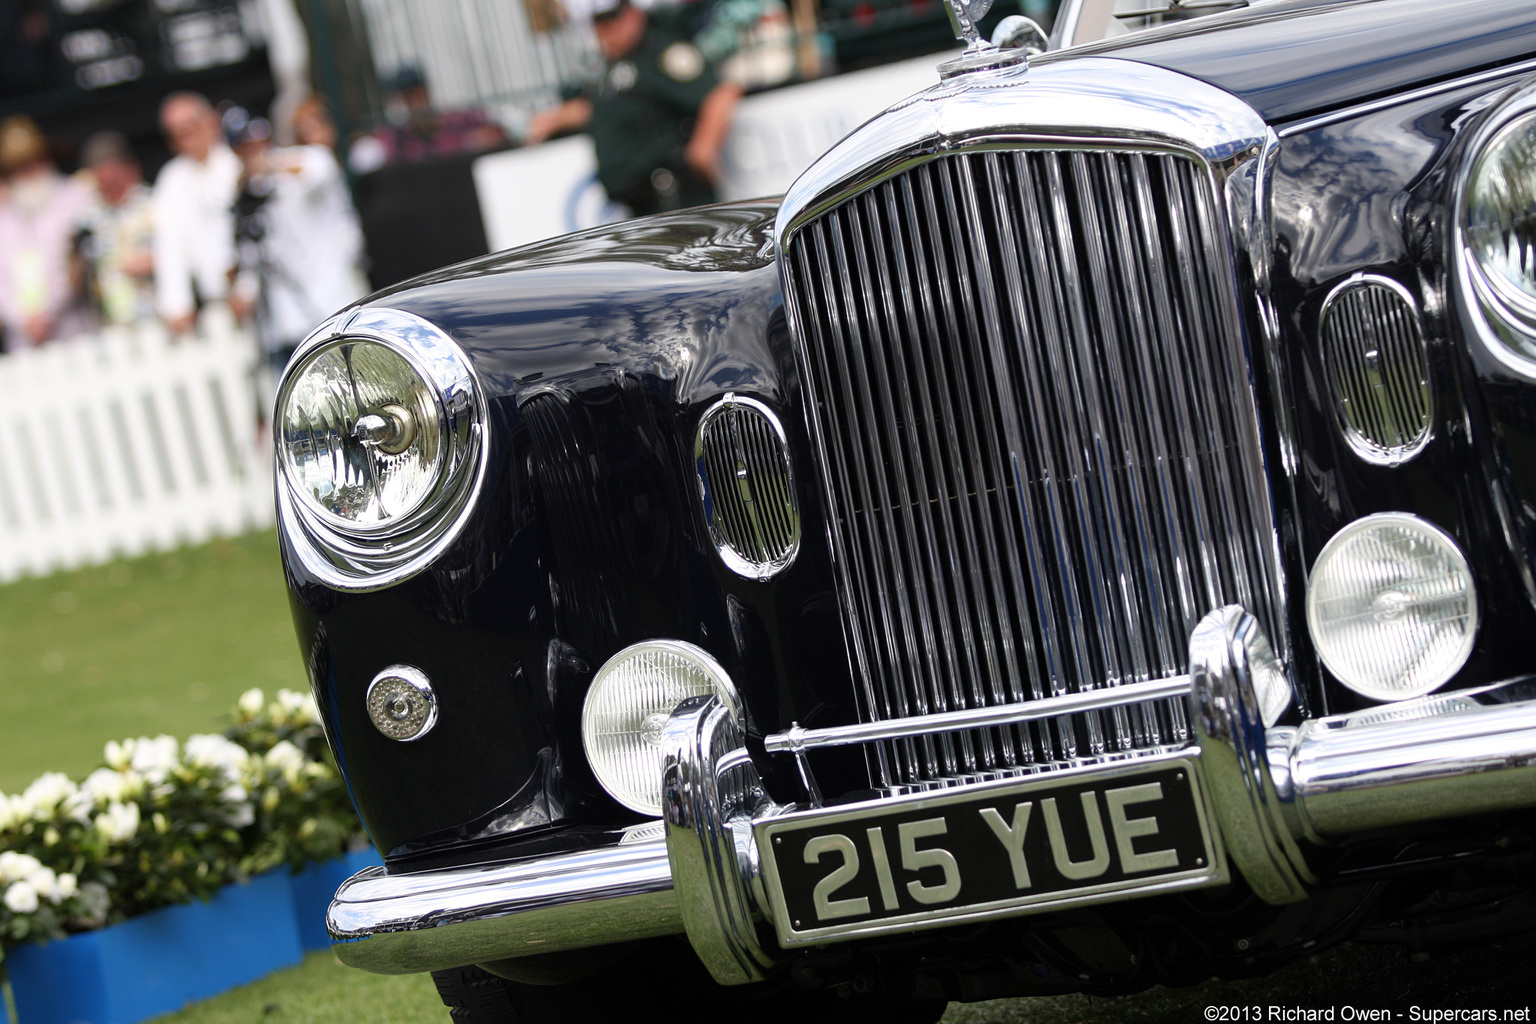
(658, 116)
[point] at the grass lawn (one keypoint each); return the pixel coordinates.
(321, 991)
(159, 644)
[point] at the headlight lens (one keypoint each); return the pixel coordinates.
(360, 434)
(1497, 233)
(1391, 606)
(1501, 212)
(627, 707)
(378, 427)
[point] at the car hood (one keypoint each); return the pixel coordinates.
(1294, 60)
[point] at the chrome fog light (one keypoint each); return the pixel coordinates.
(378, 428)
(1391, 606)
(628, 705)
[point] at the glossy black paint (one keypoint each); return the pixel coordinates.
(599, 354)
(1372, 193)
(1292, 60)
(600, 351)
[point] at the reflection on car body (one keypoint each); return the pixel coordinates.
(1080, 539)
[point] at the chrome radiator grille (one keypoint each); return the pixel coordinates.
(1032, 396)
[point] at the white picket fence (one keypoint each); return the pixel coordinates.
(127, 442)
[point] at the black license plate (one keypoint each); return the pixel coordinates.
(929, 859)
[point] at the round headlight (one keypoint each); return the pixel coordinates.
(1498, 232)
(377, 427)
(1501, 211)
(627, 707)
(1391, 606)
(360, 434)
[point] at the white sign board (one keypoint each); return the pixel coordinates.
(550, 189)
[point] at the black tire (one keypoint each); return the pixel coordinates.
(474, 996)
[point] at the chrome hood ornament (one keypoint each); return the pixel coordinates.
(978, 55)
(963, 16)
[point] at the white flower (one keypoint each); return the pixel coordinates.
(12, 811)
(285, 758)
(251, 702)
(43, 882)
(119, 822)
(155, 758)
(212, 751)
(67, 885)
(105, 786)
(47, 792)
(21, 898)
(118, 756)
(16, 866)
(240, 815)
(298, 708)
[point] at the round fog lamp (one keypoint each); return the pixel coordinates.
(627, 708)
(1391, 606)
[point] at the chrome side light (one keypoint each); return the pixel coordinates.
(1496, 232)
(628, 705)
(401, 703)
(1391, 606)
(378, 428)
(747, 487)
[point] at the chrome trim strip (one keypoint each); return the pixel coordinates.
(1402, 98)
(796, 739)
(400, 924)
(1095, 101)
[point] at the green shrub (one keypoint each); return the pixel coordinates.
(163, 822)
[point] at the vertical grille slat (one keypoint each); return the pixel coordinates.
(1027, 376)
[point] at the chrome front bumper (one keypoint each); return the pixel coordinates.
(1271, 792)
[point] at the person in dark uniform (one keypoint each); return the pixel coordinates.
(657, 117)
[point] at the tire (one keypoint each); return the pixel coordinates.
(474, 996)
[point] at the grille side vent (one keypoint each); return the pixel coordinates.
(1030, 387)
(1378, 369)
(746, 485)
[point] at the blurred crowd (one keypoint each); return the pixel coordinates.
(269, 230)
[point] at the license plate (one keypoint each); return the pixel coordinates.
(1079, 836)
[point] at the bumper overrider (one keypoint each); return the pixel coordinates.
(746, 879)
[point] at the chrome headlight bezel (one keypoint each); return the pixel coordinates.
(1503, 314)
(370, 556)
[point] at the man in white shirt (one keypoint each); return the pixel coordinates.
(299, 243)
(194, 222)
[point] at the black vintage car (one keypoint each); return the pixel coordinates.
(1083, 537)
